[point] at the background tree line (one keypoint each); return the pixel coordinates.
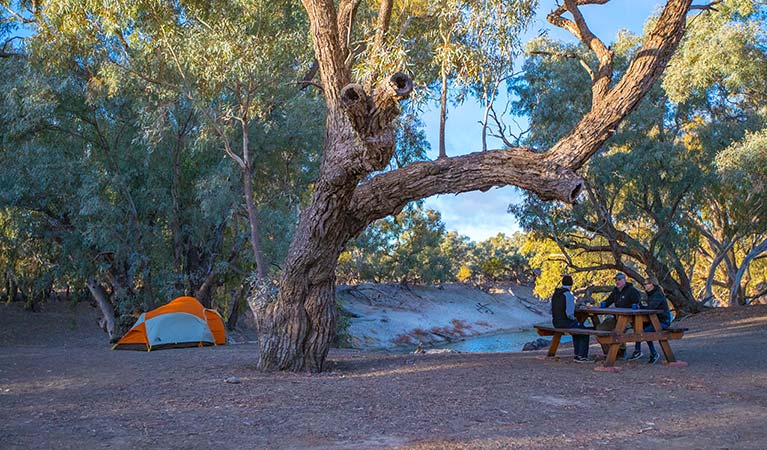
(414, 247)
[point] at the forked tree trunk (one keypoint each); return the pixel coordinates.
(296, 319)
(737, 294)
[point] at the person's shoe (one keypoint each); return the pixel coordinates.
(636, 355)
(583, 359)
(654, 357)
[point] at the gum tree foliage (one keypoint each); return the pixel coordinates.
(127, 111)
(638, 214)
(719, 76)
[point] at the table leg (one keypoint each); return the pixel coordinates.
(638, 326)
(554, 344)
(595, 321)
(620, 325)
(664, 345)
(612, 355)
(620, 329)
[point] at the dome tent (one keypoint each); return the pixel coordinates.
(184, 322)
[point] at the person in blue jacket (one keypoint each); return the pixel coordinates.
(563, 316)
(655, 300)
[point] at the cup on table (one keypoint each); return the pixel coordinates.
(603, 304)
(634, 306)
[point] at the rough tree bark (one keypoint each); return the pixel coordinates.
(107, 322)
(296, 320)
(737, 294)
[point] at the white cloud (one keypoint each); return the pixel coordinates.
(479, 215)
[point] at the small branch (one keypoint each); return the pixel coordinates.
(310, 74)
(18, 16)
(709, 7)
(304, 84)
(6, 54)
(761, 293)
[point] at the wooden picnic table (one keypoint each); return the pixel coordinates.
(611, 340)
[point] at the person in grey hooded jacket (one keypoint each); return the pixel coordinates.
(563, 316)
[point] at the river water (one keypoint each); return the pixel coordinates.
(509, 341)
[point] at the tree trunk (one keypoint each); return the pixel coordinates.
(234, 313)
(718, 258)
(107, 322)
(678, 292)
(247, 181)
(297, 325)
(8, 298)
(443, 113)
(737, 296)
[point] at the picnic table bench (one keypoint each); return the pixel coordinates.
(612, 340)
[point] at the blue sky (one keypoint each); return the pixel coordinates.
(482, 215)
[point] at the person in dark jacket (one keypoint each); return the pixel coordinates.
(623, 295)
(655, 300)
(563, 316)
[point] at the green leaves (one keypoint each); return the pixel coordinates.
(721, 47)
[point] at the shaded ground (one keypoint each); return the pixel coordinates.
(61, 387)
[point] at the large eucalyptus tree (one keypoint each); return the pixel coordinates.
(297, 321)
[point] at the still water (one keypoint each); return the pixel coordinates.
(510, 341)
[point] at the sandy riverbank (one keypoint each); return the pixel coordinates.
(397, 317)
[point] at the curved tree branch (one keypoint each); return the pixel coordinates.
(391, 191)
(601, 80)
(602, 121)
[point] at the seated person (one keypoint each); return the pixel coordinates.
(655, 300)
(623, 295)
(563, 316)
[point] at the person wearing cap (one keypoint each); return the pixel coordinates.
(655, 300)
(623, 295)
(563, 316)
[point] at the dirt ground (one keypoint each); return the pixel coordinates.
(61, 387)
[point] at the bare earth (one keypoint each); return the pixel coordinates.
(61, 387)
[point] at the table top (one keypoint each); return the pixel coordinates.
(618, 311)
